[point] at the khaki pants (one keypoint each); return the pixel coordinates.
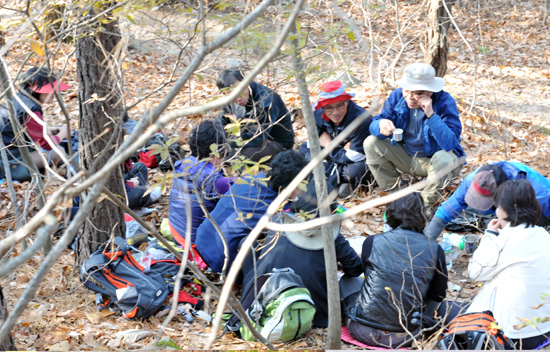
(384, 159)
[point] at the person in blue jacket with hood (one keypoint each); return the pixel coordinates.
(431, 128)
(478, 189)
(345, 166)
(241, 207)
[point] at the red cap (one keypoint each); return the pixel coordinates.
(47, 88)
(480, 193)
(330, 93)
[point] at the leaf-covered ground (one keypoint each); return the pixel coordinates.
(500, 79)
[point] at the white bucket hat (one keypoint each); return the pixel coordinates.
(420, 76)
(311, 239)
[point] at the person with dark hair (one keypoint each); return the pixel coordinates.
(264, 121)
(404, 273)
(302, 251)
(512, 262)
(198, 179)
(37, 88)
(241, 207)
(478, 188)
(335, 110)
(427, 127)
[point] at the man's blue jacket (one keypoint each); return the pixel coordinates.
(237, 213)
(455, 204)
(441, 131)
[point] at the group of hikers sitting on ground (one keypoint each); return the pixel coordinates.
(404, 270)
(378, 307)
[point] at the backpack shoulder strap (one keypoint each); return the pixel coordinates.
(233, 324)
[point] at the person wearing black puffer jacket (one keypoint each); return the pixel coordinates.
(404, 273)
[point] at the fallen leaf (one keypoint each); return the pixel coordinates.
(94, 318)
(37, 47)
(60, 346)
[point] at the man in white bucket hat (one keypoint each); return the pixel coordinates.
(431, 128)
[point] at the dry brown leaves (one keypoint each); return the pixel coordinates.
(509, 120)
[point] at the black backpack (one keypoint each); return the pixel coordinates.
(121, 283)
(475, 331)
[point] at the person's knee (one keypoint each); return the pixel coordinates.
(20, 173)
(139, 167)
(369, 145)
(443, 159)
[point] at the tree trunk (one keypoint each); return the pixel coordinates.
(7, 344)
(329, 248)
(436, 46)
(100, 108)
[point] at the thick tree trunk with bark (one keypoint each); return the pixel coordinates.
(7, 344)
(100, 101)
(436, 46)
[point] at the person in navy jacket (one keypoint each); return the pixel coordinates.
(241, 207)
(431, 128)
(478, 188)
(345, 166)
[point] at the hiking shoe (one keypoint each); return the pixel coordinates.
(344, 190)
(155, 194)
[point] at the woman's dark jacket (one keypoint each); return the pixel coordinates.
(402, 270)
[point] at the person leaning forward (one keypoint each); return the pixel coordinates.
(431, 128)
(334, 111)
(477, 191)
(268, 130)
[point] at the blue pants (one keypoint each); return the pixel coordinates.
(136, 198)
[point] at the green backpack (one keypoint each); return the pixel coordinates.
(283, 309)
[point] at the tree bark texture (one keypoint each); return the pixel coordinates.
(101, 106)
(436, 46)
(7, 344)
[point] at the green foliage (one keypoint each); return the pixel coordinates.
(168, 343)
(163, 149)
(484, 50)
(248, 167)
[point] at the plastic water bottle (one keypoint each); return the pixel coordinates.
(456, 240)
(386, 226)
(340, 209)
(448, 249)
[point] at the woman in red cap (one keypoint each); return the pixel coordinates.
(37, 88)
(345, 166)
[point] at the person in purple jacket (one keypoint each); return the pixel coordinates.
(431, 128)
(198, 179)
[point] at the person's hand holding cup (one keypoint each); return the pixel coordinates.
(386, 127)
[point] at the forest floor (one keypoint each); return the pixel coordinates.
(501, 86)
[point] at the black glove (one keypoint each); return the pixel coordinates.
(434, 228)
